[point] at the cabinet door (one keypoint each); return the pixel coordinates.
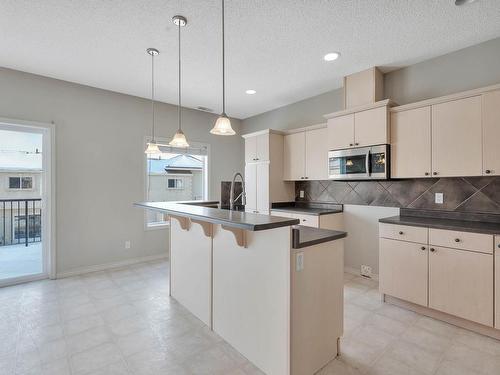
(262, 187)
(341, 132)
(250, 149)
(456, 138)
(262, 147)
(403, 270)
(370, 127)
(294, 156)
(461, 284)
(491, 133)
(317, 154)
(411, 143)
(497, 282)
(251, 187)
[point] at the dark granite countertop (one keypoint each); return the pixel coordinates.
(307, 208)
(443, 223)
(237, 219)
(303, 236)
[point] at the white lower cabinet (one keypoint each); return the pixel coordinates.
(461, 284)
(403, 270)
(458, 281)
(257, 187)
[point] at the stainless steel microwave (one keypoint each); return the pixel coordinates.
(361, 163)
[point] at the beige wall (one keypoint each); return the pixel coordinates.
(100, 163)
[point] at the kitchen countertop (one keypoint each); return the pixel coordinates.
(308, 209)
(303, 236)
(442, 223)
(236, 219)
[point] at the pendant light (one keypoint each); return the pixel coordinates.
(223, 124)
(152, 147)
(179, 139)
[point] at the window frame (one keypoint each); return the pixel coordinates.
(176, 184)
(206, 179)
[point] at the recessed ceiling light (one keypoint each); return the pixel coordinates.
(331, 56)
(251, 92)
(463, 2)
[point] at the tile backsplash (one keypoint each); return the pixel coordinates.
(467, 194)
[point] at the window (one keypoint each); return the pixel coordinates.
(174, 183)
(176, 175)
(20, 182)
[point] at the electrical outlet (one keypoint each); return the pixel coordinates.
(439, 198)
(299, 262)
(366, 270)
(127, 244)
(301, 194)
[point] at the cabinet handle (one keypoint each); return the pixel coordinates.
(487, 171)
(434, 173)
(356, 144)
(422, 248)
(350, 144)
(306, 178)
(401, 232)
(426, 173)
(303, 219)
(457, 239)
(432, 249)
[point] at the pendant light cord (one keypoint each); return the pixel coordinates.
(179, 107)
(223, 66)
(153, 94)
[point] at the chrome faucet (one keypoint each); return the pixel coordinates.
(243, 194)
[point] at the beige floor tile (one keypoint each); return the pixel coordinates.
(415, 356)
(427, 340)
(388, 325)
(437, 327)
(95, 358)
(358, 354)
(390, 366)
(453, 368)
(479, 342)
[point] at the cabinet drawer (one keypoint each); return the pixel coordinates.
(282, 214)
(308, 220)
(482, 243)
(403, 232)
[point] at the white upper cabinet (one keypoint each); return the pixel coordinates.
(457, 138)
(306, 155)
(294, 157)
(316, 154)
(341, 132)
(371, 127)
(411, 143)
(491, 133)
(257, 148)
(367, 127)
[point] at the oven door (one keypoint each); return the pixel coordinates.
(352, 164)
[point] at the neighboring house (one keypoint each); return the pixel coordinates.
(179, 178)
(17, 186)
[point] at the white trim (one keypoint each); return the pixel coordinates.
(107, 266)
(22, 279)
(48, 131)
(361, 108)
(356, 272)
(262, 132)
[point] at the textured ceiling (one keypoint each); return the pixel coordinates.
(273, 46)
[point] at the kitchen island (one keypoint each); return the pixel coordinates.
(270, 288)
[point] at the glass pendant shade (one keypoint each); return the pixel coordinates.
(223, 126)
(152, 149)
(179, 140)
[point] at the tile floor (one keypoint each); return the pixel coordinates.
(122, 322)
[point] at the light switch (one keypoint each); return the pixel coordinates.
(439, 198)
(301, 194)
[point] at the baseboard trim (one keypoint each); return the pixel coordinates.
(451, 319)
(355, 271)
(109, 266)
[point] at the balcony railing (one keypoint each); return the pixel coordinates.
(20, 221)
